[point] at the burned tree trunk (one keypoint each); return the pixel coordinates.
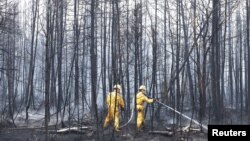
(215, 63)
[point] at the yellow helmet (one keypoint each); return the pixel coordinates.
(117, 86)
(142, 87)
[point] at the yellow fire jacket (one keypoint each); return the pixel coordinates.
(114, 101)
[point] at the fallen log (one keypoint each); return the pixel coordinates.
(188, 129)
(193, 130)
(185, 129)
(168, 133)
(63, 132)
(79, 130)
(70, 130)
(74, 128)
(168, 128)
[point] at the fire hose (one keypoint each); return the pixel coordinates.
(132, 113)
(183, 115)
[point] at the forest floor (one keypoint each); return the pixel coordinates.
(128, 133)
(34, 130)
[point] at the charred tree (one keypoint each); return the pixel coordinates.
(93, 60)
(215, 62)
(248, 51)
(47, 66)
(30, 85)
(59, 55)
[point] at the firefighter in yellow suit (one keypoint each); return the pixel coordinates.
(114, 102)
(141, 98)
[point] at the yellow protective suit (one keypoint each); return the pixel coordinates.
(114, 102)
(140, 100)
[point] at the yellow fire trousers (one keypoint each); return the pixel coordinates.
(112, 115)
(140, 116)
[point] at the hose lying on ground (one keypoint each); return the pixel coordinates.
(132, 114)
